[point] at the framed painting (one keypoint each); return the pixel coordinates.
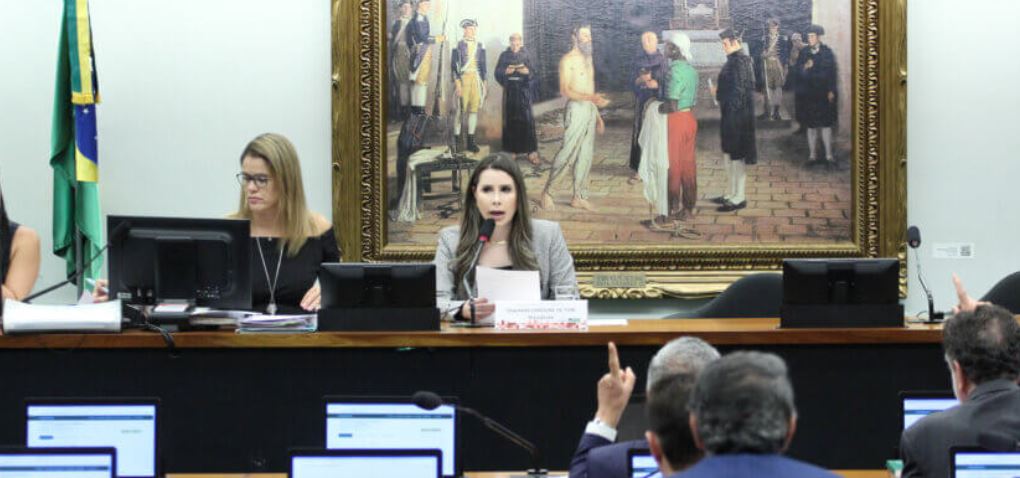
(717, 137)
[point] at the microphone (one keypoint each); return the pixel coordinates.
(484, 233)
(914, 241)
(998, 442)
(430, 401)
(115, 236)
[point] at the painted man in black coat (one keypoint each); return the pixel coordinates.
(419, 42)
(735, 94)
(817, 94)
(650, 68)
(516, 73)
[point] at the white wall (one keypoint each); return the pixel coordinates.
(185, 85)
(963, 141)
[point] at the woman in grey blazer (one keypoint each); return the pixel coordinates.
(496, 191)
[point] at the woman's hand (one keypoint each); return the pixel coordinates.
(310, 301)
(483, 309)
(101, 292)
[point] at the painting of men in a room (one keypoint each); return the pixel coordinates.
(562, 86)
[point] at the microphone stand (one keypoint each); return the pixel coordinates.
(536, 470)
(933, 317)
(467, 284)
(73, 277)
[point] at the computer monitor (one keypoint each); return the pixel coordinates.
(58, 462)
(205, 262)
(917, 405)
(394, 423)
(841, 293)
(967, 462)
(127, 424)
(373, 463)
(378, 296)
(641, 464)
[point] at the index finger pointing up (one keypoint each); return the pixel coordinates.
(614, 361)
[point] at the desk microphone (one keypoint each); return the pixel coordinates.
(484, 233)
(431, 401)
(115, 236)
(914, 241)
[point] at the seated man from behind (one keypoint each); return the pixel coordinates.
(669, 435)
(597, 456)
(743, 418)
(982, 349)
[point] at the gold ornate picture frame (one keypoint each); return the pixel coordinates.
(877, 167)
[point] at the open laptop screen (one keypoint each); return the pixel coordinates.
(917, 405)
(972, 463)
(370, 463)
(57, 463)
(130, 427)
(641, 464)
(386, 423)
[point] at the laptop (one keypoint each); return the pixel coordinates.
(127, 424)
(916, 405)
(394, 423)
(58, 462)
(378, 463)
(970, 462)
(641, 464)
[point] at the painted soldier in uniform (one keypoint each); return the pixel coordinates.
(400, 62)
(516, 73)
(817, 95)
(420, 42)
(735, 94)
(468, 63)
(775, 49)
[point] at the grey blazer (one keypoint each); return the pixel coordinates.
(555, 264)
(993, 407)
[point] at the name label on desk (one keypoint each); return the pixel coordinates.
(541, 315)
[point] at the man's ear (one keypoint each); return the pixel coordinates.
(656, 448)
(692, 421)
(790, 430)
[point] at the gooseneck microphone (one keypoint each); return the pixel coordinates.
(914, 241)
(484, 233)
(430, 401)
(115, 236)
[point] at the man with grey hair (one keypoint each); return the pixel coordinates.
(597, 456)
(743, 418)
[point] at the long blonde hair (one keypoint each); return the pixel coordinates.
(279, 153)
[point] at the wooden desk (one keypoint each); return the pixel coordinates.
(636, 332)
(235, 403)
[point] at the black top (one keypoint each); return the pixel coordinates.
(297, 273)
(5, 246)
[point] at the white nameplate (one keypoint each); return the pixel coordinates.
(541, 315)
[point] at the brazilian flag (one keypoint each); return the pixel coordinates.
(73, 144)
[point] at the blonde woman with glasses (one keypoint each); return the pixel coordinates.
(289, 241)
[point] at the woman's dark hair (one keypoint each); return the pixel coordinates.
(519, 242)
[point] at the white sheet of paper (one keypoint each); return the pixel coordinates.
(498, 284)
(22, 317)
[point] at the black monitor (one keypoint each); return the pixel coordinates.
(379, 296)
(841, 293)
(204, 262)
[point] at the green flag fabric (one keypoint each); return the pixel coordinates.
(73, 144)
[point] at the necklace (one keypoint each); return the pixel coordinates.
(499, 243)
(272, 285)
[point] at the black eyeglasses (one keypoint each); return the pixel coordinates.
(260, 180)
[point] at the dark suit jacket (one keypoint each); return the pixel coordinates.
(597, 457)
(993, 407)
(746, 465)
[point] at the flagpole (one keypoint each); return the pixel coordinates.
(78, 262)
